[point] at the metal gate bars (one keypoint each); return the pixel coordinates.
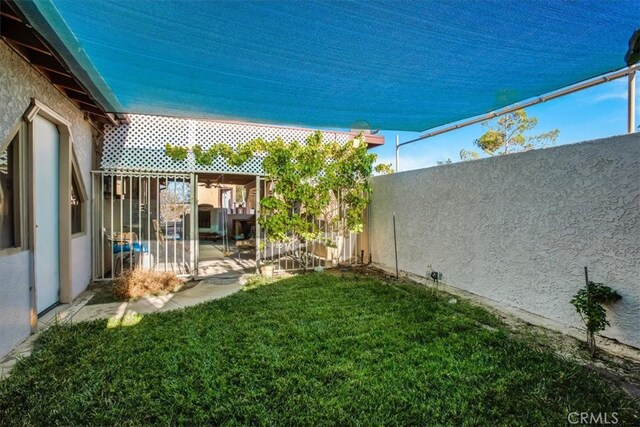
(143, 220)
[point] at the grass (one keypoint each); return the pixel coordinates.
(102, 293)
(315, 349)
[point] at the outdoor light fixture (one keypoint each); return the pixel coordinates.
(436, 276)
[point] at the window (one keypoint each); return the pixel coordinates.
(204, 219)
(77, 203)
(9, 196)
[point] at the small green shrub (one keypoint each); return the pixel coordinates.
(589, 302)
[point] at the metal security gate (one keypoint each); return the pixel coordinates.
(143, 220)
(335, 245)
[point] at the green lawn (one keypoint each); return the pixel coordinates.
(316, 349)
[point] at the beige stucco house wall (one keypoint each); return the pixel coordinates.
(19, 83)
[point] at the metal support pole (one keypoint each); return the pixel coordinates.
(369, 230)
(102, 229)
(395, 243)
(159, 224)
(397, 153)
(519, 106)
(631, 110)
(147, 199)
(122, 197)
(258, 224)
(194, 239)
(131, 239)
(112, 194)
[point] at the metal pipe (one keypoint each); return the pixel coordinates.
(326, 238)
(166, 223)
(102, 227)
(369, 230)
(520, 106)
(395, 243)
(182, 218)
(350, 242)
(631, 107)
(158, 225)
(257, 224)
(149, 225)
(341, 234)
(111, 231)
(132, 253)
(139, 221)
(175, 224)
(122, 197)
(586, 278)
(194, 241)
(92, 226)
(397, 153)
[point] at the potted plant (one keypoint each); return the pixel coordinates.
(267, 268)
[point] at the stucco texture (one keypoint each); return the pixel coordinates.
(19, 82)
(519, 229)
(14, 300)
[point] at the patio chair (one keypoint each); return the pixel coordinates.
(125, 249)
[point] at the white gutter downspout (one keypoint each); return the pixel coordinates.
(397, 153)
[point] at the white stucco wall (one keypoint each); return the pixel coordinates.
(14, 300)
(519, 229)
(80, 264)
(19, 82)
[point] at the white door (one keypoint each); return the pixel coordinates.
(46, 164)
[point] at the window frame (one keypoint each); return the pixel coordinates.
(18, 134)
(82, 194)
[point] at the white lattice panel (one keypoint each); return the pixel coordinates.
(139, 145)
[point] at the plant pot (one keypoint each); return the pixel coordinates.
(267, 270)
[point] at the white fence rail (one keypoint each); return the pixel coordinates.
(334, 246)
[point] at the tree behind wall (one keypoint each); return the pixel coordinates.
(174, 201)
(507, 135)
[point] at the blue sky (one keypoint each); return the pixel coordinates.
(592, 113)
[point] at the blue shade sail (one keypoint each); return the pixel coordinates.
(402, 65)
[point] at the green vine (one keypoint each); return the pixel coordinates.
(589, 303)
(175, 153)
(312, 184)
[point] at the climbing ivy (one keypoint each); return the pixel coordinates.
(175, 153)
